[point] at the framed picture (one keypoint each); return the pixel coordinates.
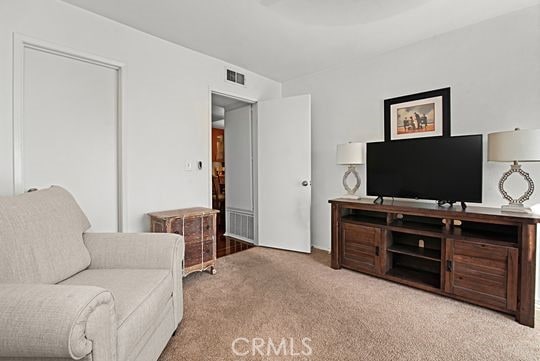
(419, 115)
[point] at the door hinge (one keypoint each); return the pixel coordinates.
(449, 266)
(377, 250)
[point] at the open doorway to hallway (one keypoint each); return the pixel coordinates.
(232, 173)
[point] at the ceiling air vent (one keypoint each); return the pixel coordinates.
(236, 77)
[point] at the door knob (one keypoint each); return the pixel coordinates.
(305, 183)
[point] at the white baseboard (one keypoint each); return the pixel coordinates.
(240, 238)
(321, 248)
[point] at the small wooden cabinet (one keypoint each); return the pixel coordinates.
(479, 255)
(198, 226)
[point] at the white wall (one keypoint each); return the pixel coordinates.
(238, 166)
(493, 69)
(167, 105)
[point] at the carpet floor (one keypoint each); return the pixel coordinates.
(341, 315)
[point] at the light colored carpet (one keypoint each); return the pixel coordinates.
(347, 315)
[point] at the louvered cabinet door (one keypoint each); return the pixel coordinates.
(361, 248)
(482, 273)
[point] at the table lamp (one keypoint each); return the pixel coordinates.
(350, 154)
(515, 146)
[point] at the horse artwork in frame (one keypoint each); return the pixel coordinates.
(425, 114)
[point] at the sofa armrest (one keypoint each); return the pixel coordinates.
(42, 320)
(134, 250)
(140, 250)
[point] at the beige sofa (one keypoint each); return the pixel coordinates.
(68, 295)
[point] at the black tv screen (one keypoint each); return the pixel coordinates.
(443, 169)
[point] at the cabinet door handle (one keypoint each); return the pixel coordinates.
(449, 266)
(377, 251)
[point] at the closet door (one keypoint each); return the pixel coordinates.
(69, 132)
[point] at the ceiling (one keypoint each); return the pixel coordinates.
(285, 39)
(221, 104)
(228, 103)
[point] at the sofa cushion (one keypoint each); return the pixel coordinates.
(140, 295)
(41, 237)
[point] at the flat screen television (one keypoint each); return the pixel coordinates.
(442, 169)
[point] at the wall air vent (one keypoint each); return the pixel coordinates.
(240, 224)
(235, 77)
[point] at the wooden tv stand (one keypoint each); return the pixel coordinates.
(479, 255)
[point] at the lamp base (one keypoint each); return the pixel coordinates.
(516, 204)
(350, 196)
(515, 208)
(351, 191)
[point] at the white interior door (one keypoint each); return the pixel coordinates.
(69, 132)
(284, 173)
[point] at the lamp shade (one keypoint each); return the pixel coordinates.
(514, 145)
(350, 153)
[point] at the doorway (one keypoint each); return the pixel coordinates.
(266, 171)
(232, 171)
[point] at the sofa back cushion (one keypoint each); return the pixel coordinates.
(41, 237)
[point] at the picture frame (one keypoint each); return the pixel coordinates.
(425, 114)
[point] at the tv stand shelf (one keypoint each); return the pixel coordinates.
(419, 252)
(430, 280)
(478, 255)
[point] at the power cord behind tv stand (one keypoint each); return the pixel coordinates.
(451, 204)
